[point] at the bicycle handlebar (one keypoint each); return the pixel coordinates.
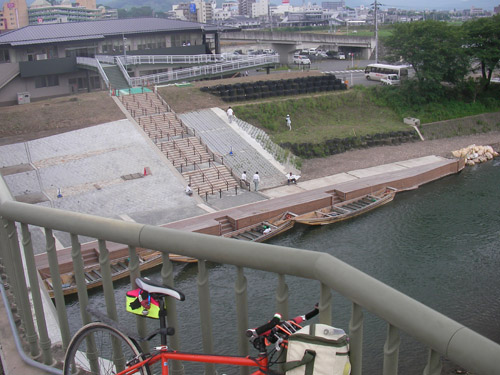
(265, 327)
(276, 320)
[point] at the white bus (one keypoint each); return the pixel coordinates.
(379, 71)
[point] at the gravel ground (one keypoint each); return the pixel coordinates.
(370, 157)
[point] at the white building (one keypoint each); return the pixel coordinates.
(260, 8)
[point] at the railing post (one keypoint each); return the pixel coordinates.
(78, 266)
(282, 295)
(240, 288)
(391, 351)
(45, 343)
(135, 272)
(325, 305)
(434, 364)
(356, 339)
(205, 314)
(57, 287)
(167, 275)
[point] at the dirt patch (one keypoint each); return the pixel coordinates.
(39, 119)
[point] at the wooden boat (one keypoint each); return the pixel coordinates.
(119, 262)
(347, 209)
(257, 232)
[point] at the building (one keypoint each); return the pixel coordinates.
(41, 60)
(14, 14)
(245, 7)
(333, 5)
(260, 9)
(195, 11)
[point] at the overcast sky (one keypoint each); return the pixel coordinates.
(429, 4)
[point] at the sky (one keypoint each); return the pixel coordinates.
(429, 4)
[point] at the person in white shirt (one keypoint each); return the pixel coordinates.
(230, 114)
(291, 179)
(189, 191)
(256, 180)
(267, 230)
(244, 176)
(288, 122)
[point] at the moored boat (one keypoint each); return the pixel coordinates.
(119, 265)
(347, 209)
(264, 230)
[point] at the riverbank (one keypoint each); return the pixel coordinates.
(374, 156)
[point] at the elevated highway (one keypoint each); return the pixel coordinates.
(285, 43)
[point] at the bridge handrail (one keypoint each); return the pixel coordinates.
(196, 71)
(443, 335)
(124, 71)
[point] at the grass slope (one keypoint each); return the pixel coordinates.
(316, 119)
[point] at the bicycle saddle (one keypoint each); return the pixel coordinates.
(157, 288)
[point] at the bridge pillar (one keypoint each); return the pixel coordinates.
(285, 51)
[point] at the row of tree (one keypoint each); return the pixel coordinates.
(446, 53)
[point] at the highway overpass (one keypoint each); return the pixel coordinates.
(285, 43)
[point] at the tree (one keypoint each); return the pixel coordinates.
(483, 42)
(434, 49)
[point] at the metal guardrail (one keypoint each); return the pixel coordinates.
(440, 334)
(234, 64)
(215, 64)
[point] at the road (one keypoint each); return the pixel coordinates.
(341, 68)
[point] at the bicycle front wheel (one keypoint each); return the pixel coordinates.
(99, 349)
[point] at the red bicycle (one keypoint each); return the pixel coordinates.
(102, 348)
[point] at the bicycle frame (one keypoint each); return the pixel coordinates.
(165, 354)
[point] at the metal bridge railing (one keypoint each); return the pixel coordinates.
(210, 65)
(443, 336)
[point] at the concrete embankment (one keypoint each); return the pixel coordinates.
(314, 194)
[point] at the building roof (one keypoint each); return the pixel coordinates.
(61, 32)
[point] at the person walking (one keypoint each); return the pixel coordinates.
(244, 181)
(288, 122)
(256, 180)
(230, 114)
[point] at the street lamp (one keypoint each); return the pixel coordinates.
(124, 50)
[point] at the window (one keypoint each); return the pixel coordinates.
(46, 81)
(4, 56)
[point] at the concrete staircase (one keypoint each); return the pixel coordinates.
(200, 167)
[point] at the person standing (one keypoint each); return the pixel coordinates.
(230, 114)
(288, 122)
(256, 180)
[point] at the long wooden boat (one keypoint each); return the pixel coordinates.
(257, 232)
(119, 265)
(347, 209)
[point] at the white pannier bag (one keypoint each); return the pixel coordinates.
(318, 349)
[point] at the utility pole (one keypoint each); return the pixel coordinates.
(376, 33)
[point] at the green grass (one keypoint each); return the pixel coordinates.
(316, 119)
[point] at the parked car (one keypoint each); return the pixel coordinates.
(301, 60)
(341, 56)
(391, 80)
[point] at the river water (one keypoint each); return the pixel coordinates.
(439, 244)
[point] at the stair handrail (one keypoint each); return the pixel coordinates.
(124, 71)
